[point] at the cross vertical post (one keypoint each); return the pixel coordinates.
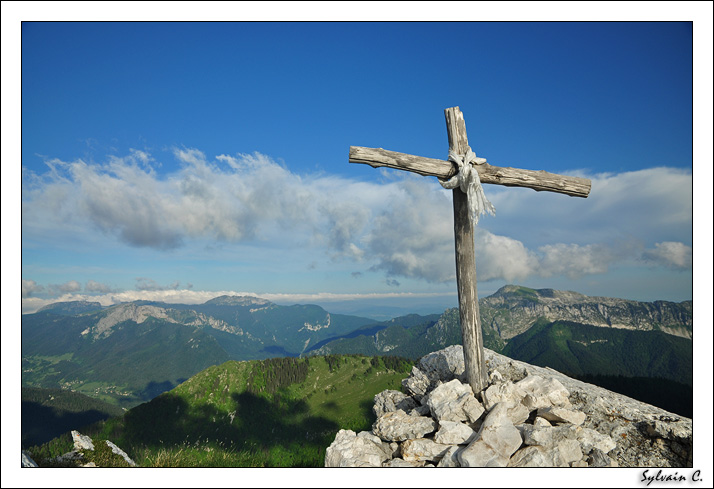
(472, 337)
(469, 315)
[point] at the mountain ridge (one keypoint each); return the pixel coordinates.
(78, 351)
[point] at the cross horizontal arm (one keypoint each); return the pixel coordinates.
(510, 177)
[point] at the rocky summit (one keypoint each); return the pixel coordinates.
(528, 416)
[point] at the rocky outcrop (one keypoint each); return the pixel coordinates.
(27, 460)
(139, 313)
(83, 454)
(528, 416)
(513, 309)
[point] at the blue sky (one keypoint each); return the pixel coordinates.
(177, 161)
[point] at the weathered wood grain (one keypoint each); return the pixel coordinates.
(471, 334)
(540, 181)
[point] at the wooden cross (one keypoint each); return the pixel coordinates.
(463, 227)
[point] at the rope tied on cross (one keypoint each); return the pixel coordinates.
(468, 181)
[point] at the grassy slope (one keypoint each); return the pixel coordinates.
(226, 416)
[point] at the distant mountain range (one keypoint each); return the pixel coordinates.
(131, 352)
(513, 309)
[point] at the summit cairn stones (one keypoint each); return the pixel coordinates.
(351, 450)
(527, 416)
(399, 426)
(454, 401)
(391, 400)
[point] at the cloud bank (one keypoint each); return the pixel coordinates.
(397, 224)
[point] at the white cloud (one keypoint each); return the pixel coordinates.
(650, 205)
(500, 257)
(65, 288)
(143, 283)
(185, 296)
(30, 287)
(670, 254)
(574, 260)
(96, 287)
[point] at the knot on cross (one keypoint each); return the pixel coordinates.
(467, 179)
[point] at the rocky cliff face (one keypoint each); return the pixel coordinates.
(527, 417)
(513, 309)
(139, 313)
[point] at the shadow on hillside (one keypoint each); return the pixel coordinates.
(258, 425)
(366, 408)
(154, 388)
(40, 424)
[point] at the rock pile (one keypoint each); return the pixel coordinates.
(527, 417)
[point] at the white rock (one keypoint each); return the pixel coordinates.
(27, 460)
(504, 392)
(536, 456)
(450, 458)
(398, 462)
(495, 377)
(562, 415)
(389, 449)
(350, 450)
(540, 392)
(590, 439)
(454, 401)
(399, 426)
(121, 453)
(570, 451)
(417, 383)
(82, 442)
(391, 400)
(454, 433)
(517, 413)
(498, 432)
(480, 454)
(541, 423)
(421, 410)
(443, 365)
(599, 459)
(423, 449)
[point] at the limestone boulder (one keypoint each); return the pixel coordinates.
(539, 392)
(499, 433)
(562, 415)
(27, 460)
(536, 456)
(399, 426)
(417, 384)
(480, 454)
(398, 462)
(443, 365)
(82, 442)
(115, 449)
(350, 450)
(454, 433)
(454, 401)
(502, 392)
(451, 457)
(423, 450)
(392, 400)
